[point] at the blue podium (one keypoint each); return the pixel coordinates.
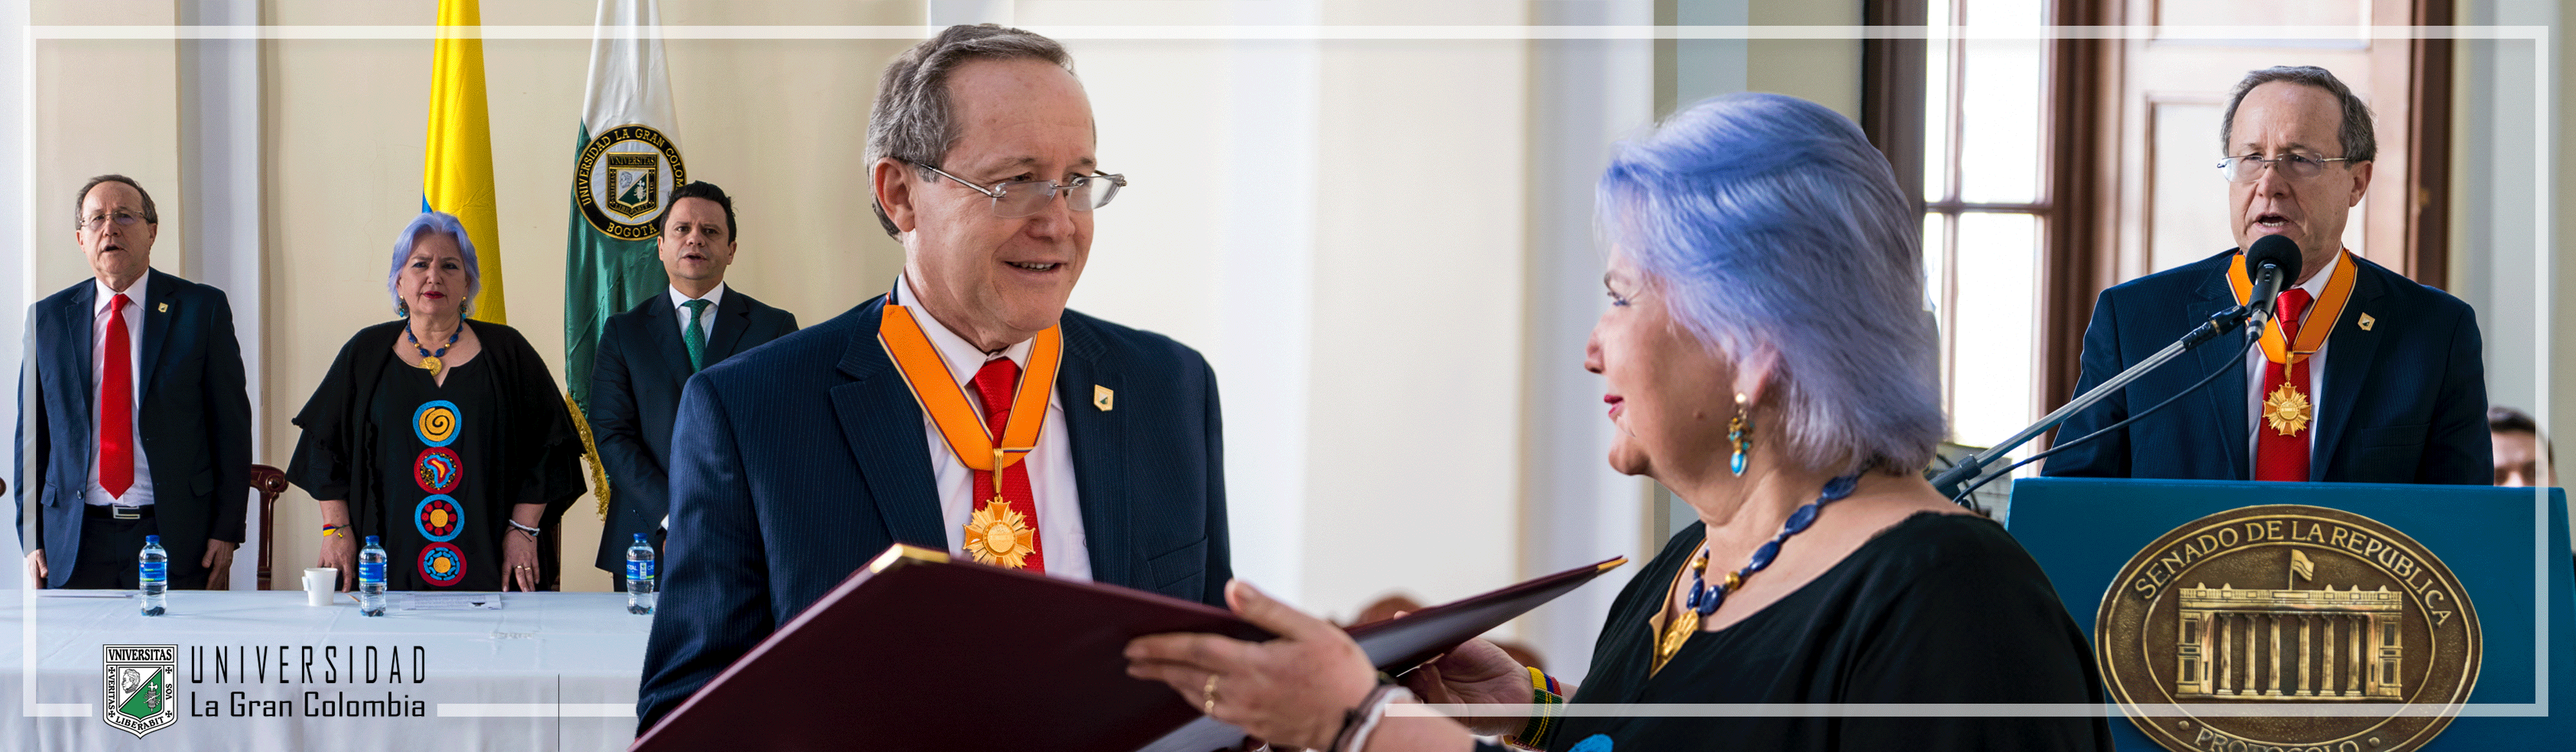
(2355, 607)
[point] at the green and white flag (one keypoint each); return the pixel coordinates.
(627, 164)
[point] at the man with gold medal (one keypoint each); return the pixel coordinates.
(965, 408)
(2361, 376)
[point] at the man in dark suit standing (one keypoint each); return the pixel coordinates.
(2366, 376)
(648, 353)
(1040, 439)
(141, 416)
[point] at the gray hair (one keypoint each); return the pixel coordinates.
(1769, 221)
(911, 120)
(440, 223)
(151, 214)
(2359, 142)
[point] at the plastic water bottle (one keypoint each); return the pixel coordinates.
(155, 576)
(639, 577)
(371, 578)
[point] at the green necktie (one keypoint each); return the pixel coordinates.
(695, 336)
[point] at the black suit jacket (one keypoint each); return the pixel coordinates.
(2404, 401)
(635, 394)
(195, 420)
(797, 463)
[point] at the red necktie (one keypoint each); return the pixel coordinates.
(997, 383)
(2281, 443)
(116, 404)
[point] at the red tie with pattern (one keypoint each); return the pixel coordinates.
(116, 404)
(2281, 443)
(997, 383)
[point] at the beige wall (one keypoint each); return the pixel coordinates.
(1420, 243)
(1826, 71)
(106, 106)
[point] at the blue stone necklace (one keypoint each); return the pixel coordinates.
(1704, 598)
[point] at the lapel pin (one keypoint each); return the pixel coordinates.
(2367, 322)
(1101, 397)
(165, 308)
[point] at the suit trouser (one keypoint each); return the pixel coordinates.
(110, 551)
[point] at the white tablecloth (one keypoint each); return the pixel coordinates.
(548, 671)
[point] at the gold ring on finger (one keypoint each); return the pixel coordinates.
(1208, 691)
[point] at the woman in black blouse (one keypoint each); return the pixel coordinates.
(445, 438)
(1767, 357)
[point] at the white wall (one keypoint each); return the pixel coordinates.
(2493, 195)
(2500, 264)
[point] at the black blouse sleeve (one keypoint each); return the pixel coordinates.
(542, 438)
(324, 463)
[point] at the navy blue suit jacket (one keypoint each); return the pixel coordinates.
(796, 463)
(2404, 401)
(195, 420)
(635, 399)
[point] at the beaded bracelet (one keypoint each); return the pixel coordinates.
(1550, 697)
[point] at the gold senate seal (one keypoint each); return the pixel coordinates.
(2286, 410)
(2316, 613)
(999, 535)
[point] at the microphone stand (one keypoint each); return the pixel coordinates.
(1949, 482)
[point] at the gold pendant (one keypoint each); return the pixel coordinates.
(1675, 634)
(432, 364)
(1000, 535)
(2286, 410)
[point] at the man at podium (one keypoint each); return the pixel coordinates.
(965, 409)
(2365, 376)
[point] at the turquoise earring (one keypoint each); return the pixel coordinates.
(1735, 433)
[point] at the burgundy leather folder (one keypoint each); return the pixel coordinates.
(916, 651)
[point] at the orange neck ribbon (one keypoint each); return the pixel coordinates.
(2327, 310)
(945, 402)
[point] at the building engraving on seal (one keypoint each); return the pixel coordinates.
(2289, 644)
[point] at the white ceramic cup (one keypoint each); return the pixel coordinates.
(320, 584)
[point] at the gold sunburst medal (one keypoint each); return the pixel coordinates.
(2286, 410)
(1000, 536)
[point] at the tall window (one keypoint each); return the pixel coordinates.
(1986, 207)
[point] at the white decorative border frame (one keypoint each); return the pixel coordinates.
(2542, 157)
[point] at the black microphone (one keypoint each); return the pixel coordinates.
(2273, 262)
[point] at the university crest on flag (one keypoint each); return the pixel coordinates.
(140, 680)
(621, 176)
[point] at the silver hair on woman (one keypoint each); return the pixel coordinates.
(1769, 221)
(444, 224)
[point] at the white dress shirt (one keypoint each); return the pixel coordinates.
(706, 319)
(139, 494)
(1051, 482)
(2255, 363)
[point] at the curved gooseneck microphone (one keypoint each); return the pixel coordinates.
(2273, 263)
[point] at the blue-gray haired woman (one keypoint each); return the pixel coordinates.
(446, 440)
(1768, 359)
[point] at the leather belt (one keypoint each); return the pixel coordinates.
(119, 511)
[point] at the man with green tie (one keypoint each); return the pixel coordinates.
(649, 352)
